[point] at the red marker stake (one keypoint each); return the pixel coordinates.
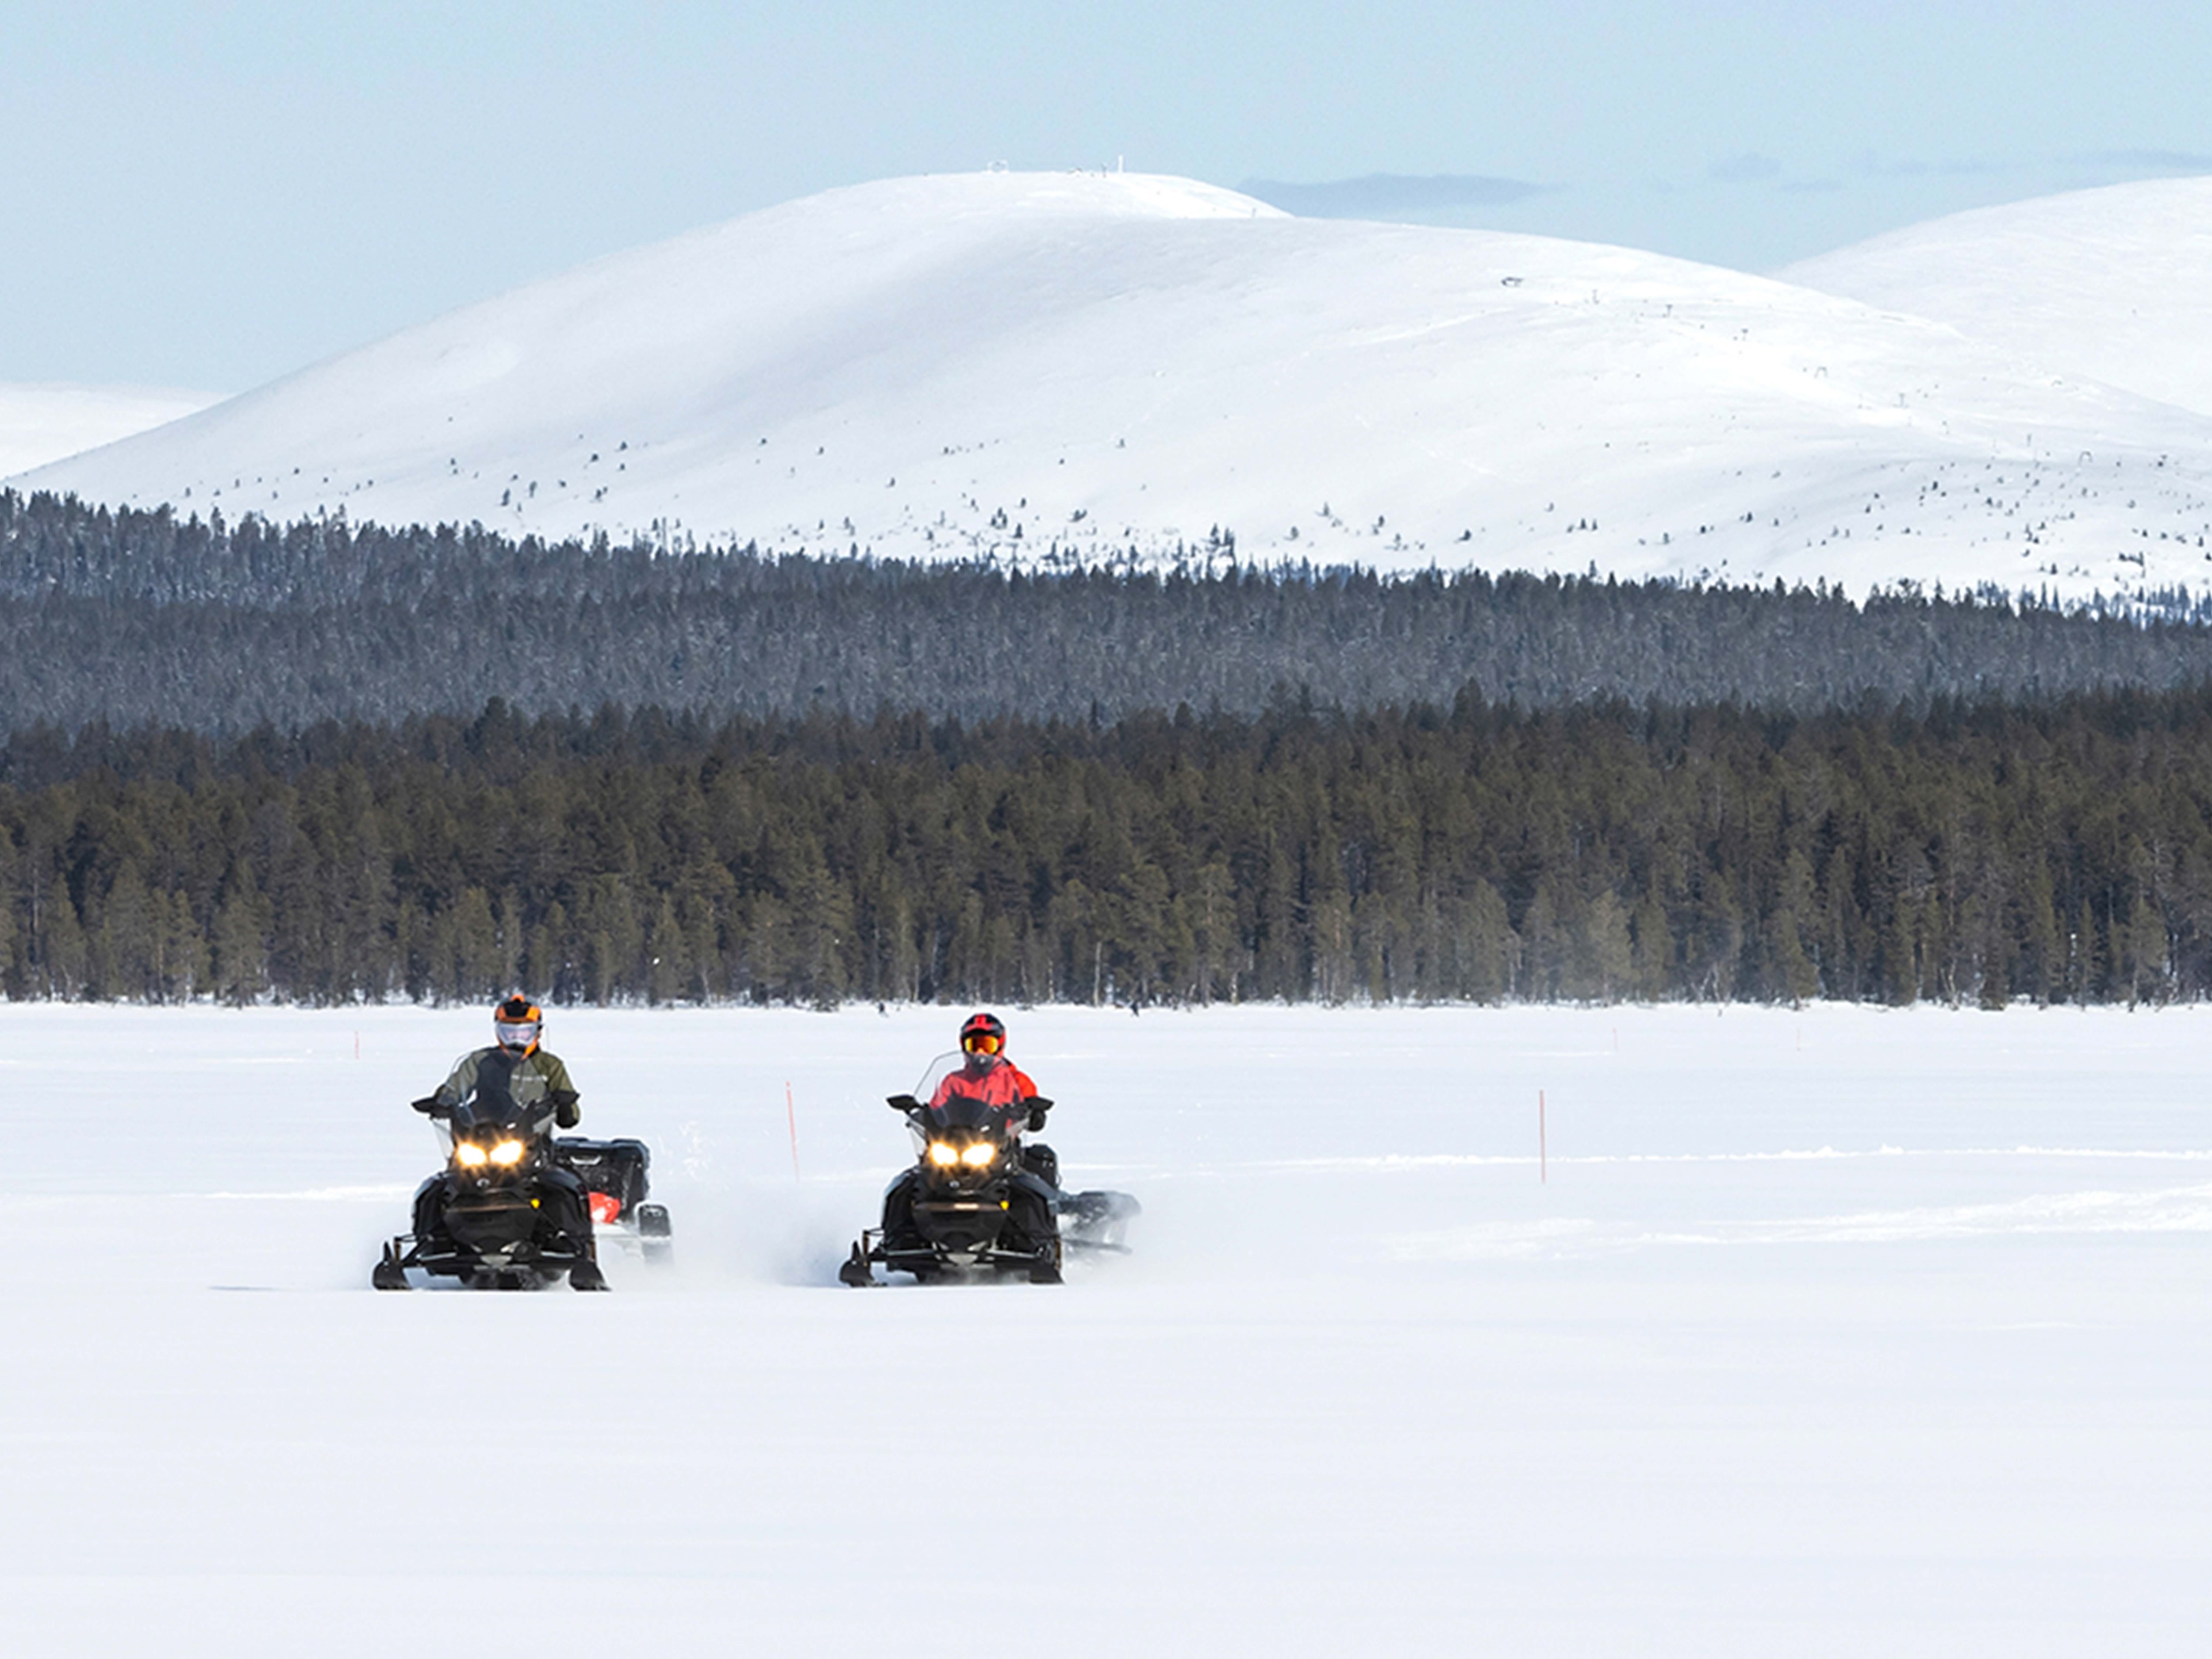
(790, 1118)
(1543, 1171)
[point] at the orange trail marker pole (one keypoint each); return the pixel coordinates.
(1543, 1171)
(791, 1118)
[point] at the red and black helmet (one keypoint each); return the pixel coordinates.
(983, 1033)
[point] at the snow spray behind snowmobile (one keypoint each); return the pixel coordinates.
(977, 1204)
(514, 1207)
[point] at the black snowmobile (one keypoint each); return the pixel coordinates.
(978, 1204)
(615, 1189)
(514, 1207)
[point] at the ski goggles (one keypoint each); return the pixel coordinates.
(982, 1043)
(515, 1035)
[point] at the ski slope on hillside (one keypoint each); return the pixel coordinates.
(2115, 284)
(41, 423)
(1843, 1332)
(1019, 364)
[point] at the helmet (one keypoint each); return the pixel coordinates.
(517, 1023)
(983, 1033)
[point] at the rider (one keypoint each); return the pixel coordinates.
(514, 1067)
(515, 1070)
(986, 1074)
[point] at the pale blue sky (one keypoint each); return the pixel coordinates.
(211, 195)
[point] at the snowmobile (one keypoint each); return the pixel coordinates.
(614, 1174)
(978, 1204)
(514, 1207)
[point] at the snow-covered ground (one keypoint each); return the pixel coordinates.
(997, 362)
(41, 423)
(1836, 1331)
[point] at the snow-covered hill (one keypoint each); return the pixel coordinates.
(40, 423)
(1012, 362)
(2114, 284)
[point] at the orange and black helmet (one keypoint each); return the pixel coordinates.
(517, 1023)
(983, 1033)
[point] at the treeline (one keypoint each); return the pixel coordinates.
(1980, 852)
(133, 616)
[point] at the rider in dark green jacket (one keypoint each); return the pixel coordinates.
(514, 1064)
(516, 1068)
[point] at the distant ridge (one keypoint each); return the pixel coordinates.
(41, 422)
(1072, 368)
(2115, 284)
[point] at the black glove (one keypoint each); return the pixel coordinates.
(566, 1112)
(1038, 1106)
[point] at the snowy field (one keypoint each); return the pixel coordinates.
(1841, 1332)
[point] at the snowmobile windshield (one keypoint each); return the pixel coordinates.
(500, 1113)
(945, 1066)
(962, 1112)
(937, 1070)
(962, 1109)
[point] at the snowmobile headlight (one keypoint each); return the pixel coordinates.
(980, 1155)
(469, 1154)
(944, 1154)
(507, 1154)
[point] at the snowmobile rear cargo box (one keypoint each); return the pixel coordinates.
(617, 1168)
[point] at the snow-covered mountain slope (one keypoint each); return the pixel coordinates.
(40, 423)
(1006, 362)
(2114, 284)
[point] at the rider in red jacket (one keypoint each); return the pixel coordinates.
(988, 1075)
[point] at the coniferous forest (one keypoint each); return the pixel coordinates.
(134, 617)
(1966, 852)
(322, 762)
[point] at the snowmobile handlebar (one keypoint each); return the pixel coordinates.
(428, 1104)
(1037, 1105)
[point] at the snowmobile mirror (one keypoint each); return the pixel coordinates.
(904, 1104)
